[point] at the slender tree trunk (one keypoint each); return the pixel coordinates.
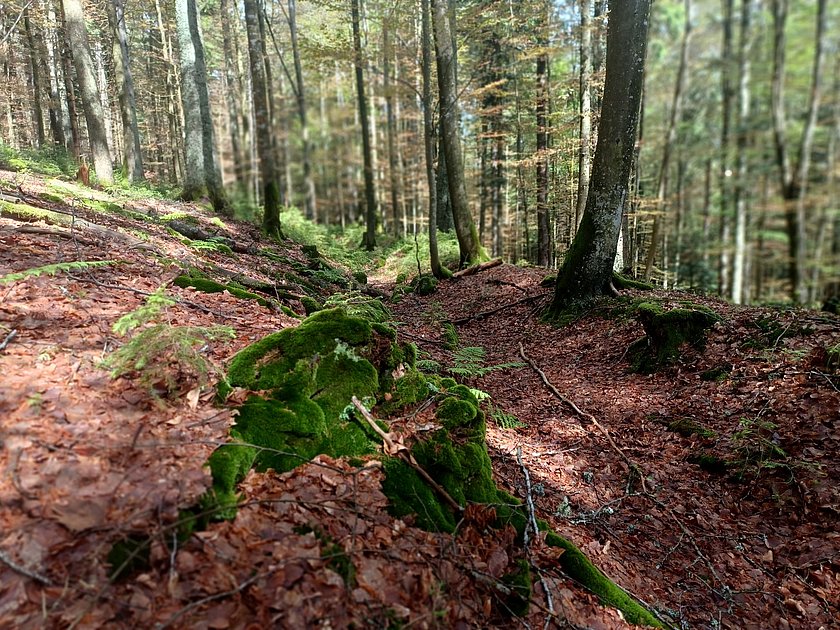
(86, 74)
(588, 267)
(388, 88)
(541, 114)
(739, 274)
(680, 88)
(584, 152)
(300, 92)
(132, 157)
(59, 122)
(794, 180)
(267, 156)
(725, 172)
(194, 182)
(233, 90)
(465, 229)
(369, 239)
(35, 70)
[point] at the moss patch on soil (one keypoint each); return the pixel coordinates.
(203, 283)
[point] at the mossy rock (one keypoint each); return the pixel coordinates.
(549, 281)
(624, 282)
(201, 282)
(578, 567)
(666, 331)
(717, 374)
(424, 285)
(310, 305)
(687, 427)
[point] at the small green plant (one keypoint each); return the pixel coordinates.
(52, 270)
(161, 356)
(503, 419)
(450, 337)
(468, 362)
(757, 444)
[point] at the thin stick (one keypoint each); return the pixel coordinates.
(532, 523)
(205, 600)
(406, 456)
(14, 566)
(8, 338)
(464, 320)
(588, 416)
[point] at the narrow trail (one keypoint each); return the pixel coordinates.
(762, 552)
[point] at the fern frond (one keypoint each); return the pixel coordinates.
(51, 270)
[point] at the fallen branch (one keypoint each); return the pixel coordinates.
(464, 320)
(14, 566)
(8, 339)
(29, 229)
(206, 600)
(403, 453)
(469, 271)
(634, 467)
(195, 233)
(532, 524)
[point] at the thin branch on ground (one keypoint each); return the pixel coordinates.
(12, 334)
(14, 566)
(532, 524)
(483, 314)
(206, 600)
(404, 454)
(634, 467)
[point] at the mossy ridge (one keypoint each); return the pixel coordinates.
(201, 282)
(666, 331)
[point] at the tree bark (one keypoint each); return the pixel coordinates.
(541, 115)
(74, 21)
(369, 239)
(193, 184)
(300, 92)
(587, 270)
(584, 151)
(468, 243)
(132, 151)
(267, 156)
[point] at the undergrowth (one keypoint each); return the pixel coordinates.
(53, 269)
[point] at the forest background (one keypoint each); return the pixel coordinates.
(735, 182)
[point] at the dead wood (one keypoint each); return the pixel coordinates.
(483, 314)
(469, 271)
(195, 233)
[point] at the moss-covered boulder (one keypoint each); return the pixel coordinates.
(203, 283)
(666, 331)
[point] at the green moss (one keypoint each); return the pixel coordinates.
(454, 413)
(624, 282)
(687, 427)
(450, 337)
(129, 555)
(425, 285)
(549, 281)
(710, 463)
(718, 374)
(666, 331)
(385, 330)
(410, 389)
(519, 582)
(264, 364)
(832, 358)
(360, 277)
(310, 305)
(202, 283)
(580, 568)
(409, 494)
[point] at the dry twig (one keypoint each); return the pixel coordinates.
(14, 566)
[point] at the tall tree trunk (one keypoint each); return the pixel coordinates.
(725, 172)
(585, 85)
(739, 256)
(86, 74)
(794, 180)
(267, 156)
(233, 91)
(587, 269)
(300, 93)
(369, 239)
(194, 184)
(37, 86)
(541, 115)
(391, 130)
(680, 87)
(132, 157)
(59, 123)
(468, 243)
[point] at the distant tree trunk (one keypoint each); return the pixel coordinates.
(680, 87)
(739, 274)
(94, 115)
(193, 184)
(584, 151)
(71, 133)
(267, 156)
(794, 180)
(300, 93)
(468, 243)
(132, 157)
(541, 115)
(725, 172)
(587, 270)
(233, 89)
(369, 239)
(393, 169)
(35, 70)
(429, 138)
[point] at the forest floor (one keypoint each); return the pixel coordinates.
(732, 520)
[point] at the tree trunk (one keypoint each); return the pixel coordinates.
(584, 151)
(94, 116)
(267, 156)
(193, 184)
(369, 239)
(587, 270)
(132, 156)
(727, 93)
(465, 230)
(541, 115)
(300, 93)
(391, 130)
(233, 90)
(35, 70)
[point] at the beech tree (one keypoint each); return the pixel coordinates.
(588, 267)
(74, 21)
